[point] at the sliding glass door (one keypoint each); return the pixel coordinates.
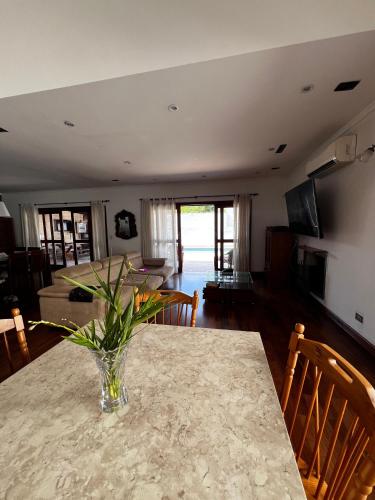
(205, 236)
(66, 235)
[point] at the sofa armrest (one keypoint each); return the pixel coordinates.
(157, 262)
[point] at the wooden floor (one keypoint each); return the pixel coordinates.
(273, 314)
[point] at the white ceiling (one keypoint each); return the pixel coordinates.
(231, 111)
(47, 44)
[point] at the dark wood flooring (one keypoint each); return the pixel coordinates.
(273, 313)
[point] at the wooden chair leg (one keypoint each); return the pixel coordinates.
(21, 337)
(7, 351)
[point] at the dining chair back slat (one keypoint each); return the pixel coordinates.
(176, 308)
(329, 411)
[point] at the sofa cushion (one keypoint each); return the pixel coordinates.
(59, 291)
(116, 263)
(164, 271)
(114, 260)
(154, 262)
(82, 273)
(135, 258)
(80, 270)
(148, 282)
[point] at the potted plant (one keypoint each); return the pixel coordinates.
(108, 339)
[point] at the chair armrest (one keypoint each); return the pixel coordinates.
(156, 262)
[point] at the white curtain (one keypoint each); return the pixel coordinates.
(159, 230)
(99, 230)
(30, 225)
(146, 228)
(242, 232)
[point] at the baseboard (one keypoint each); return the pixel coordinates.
(362, 341)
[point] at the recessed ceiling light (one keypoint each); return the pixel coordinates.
(173, 107)
(68, 123)
(345, 86)
(115, 180)
(275, 168)
(281, 148)
(307, 88)
(2, 130)
(127, 162)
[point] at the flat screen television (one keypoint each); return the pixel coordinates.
(303, 212)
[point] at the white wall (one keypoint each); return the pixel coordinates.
(268, 208)
(347, 205)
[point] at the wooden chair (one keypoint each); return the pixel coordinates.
(176, 308)
(335, 406)
(16, 322)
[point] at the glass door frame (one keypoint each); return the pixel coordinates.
(52, 241)
(219, 239)
(219, 233)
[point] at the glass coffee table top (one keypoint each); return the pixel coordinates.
(235, 280)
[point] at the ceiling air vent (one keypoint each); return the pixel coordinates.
(281, 148)
(345, 86)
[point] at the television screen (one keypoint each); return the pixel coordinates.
(303, 211)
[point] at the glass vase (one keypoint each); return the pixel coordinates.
(111, 366)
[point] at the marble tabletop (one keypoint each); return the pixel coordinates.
(203, 422)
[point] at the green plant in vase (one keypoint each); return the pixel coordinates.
(108, 338)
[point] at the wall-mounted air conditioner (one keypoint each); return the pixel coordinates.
(339, 153)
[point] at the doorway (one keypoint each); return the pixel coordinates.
(205, 236)
(66, 235)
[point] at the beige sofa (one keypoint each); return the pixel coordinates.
(54, 300)
(150, 266)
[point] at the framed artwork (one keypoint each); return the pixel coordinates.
(125, 225)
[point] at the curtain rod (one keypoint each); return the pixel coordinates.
(65, 203)
(199, 196)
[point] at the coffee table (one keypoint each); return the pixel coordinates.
(223, 286)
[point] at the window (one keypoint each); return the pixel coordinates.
(66, 235)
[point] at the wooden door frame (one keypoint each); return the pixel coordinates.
(217, 241)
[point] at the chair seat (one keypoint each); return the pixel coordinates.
(310, 484)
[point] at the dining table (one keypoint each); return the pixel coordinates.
(203, 421)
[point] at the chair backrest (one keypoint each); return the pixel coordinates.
(16, 322)
(330, 416)
(176, 309)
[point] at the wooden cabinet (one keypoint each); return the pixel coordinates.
(7, 237)
(279, 248)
